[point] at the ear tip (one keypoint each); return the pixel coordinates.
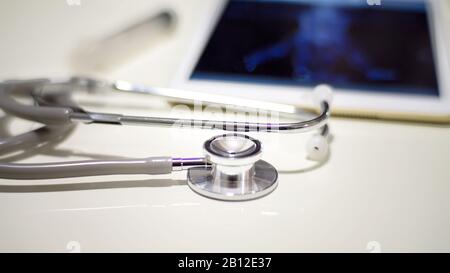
(317, 148)
(323, 92)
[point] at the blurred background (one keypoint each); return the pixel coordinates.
(54, 37)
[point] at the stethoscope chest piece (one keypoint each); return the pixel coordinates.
(236, 172)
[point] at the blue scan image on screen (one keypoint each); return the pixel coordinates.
(353, 46)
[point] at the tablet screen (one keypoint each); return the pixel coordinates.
(348, 44)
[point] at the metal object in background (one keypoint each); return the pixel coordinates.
(125, 44)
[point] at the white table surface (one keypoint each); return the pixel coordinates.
(386, 185)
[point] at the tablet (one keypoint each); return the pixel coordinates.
(385, 59)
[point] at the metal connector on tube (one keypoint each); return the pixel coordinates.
(181, 164)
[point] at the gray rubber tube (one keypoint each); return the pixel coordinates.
(152, 165)
(42, 114)
(57, 121)
(33, 138)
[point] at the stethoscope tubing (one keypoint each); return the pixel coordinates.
(58, 112)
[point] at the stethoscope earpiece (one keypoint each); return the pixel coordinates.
(323, 92)
(317, 148)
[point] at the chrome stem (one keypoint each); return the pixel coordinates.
(234, 126)
(181, 164)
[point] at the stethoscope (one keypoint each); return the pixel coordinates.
(231, 169)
